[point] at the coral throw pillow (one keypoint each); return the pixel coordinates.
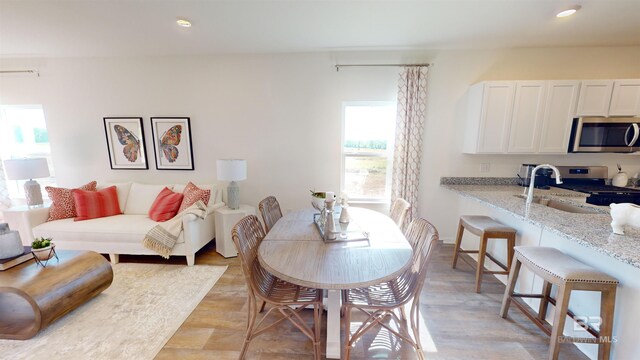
(96, 204)
(192, 194)
(166, 205)
(63, 205)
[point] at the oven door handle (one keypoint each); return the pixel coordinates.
(636, 134)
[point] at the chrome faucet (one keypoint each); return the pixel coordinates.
(556, 172)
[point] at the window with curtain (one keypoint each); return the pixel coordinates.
(367, 150)
(23, 134)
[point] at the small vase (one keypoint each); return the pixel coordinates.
(44, 254)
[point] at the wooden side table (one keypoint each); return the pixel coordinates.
(32, 297)
(225, 220)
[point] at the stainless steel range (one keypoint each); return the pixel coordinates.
(592, 180)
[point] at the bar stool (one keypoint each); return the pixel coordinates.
(486, 228)
(568, 274)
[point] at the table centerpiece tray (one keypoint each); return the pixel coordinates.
(350, 231)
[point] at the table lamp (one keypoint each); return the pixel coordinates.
(232, 170)
(28, 169)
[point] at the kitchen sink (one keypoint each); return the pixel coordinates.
(563, 206)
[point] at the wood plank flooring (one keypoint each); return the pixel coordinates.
(458, 323)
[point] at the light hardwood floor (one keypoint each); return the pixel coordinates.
(458, 323)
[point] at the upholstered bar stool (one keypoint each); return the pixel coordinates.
(568, 274)
(486, 228)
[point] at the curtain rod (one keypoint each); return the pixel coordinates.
(338, 66)
(20, 72)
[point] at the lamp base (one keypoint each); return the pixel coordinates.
(33, 193)
(233, 196)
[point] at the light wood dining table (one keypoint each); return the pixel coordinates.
(294, 251)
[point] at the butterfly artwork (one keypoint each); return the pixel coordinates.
(125, 142)
(169, 142)
(172, 140)
(131, 143)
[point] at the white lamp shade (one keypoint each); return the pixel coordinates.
(232, 169)
(23, 169)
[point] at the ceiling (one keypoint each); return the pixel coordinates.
(132, 28)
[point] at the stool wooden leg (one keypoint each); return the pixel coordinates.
(481, 255)
(544, 302)
(607, 303)
(458, 242)
(511, 284)
(559, 317)
(511, 243)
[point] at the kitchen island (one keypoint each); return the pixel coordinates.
(585, 236)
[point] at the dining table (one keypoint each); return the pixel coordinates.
(294, 250)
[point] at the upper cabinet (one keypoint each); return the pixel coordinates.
(528, 114)
(489, 112)
(609, 98)
(520, 117)
(559, 109)
(625, 100)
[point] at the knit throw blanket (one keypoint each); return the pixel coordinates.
(163, 237)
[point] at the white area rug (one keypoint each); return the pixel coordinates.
(132, 319)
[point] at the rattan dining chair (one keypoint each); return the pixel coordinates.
(379, 301)
(399, 211)
(286, 298)
(270, 211)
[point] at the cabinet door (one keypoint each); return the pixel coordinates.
(497, 108)
(526, 120)
(595, 96)
(559, 110)
(625, 100)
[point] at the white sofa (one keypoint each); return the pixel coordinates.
(123, 234)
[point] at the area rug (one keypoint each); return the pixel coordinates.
(132, 319)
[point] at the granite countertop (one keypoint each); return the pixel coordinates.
(590, 230)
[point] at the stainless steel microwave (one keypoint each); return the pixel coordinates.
(603, 135)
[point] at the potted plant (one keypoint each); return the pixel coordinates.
(42, 248)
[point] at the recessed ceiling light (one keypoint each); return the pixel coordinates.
(183, 22)
(568, 12)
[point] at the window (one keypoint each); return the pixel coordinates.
(367, 150)
(23, 133)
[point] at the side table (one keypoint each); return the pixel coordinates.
(18, 219)
(225, 220)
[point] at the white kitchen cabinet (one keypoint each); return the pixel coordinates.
(526, 120)
(595, 97)
(489, 117)
(609, 98)
(560, 106)
(625, 100)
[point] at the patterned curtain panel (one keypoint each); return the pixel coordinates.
(412, 101)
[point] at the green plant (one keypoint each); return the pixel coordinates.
(320, 194)
(40, 243)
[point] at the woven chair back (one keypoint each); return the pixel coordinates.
(399, 211)
(247, 235)
(424, 238)
(270, 211)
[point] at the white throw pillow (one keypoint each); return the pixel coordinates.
(215, 196)
(122, 189)
(141, 197)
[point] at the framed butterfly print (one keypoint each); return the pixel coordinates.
(125, 142)
(172, 143)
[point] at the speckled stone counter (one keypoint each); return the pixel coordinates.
(590, 230)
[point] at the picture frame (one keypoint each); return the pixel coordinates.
(172, 143)
(125, 143)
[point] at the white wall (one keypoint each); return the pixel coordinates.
(283, 113)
